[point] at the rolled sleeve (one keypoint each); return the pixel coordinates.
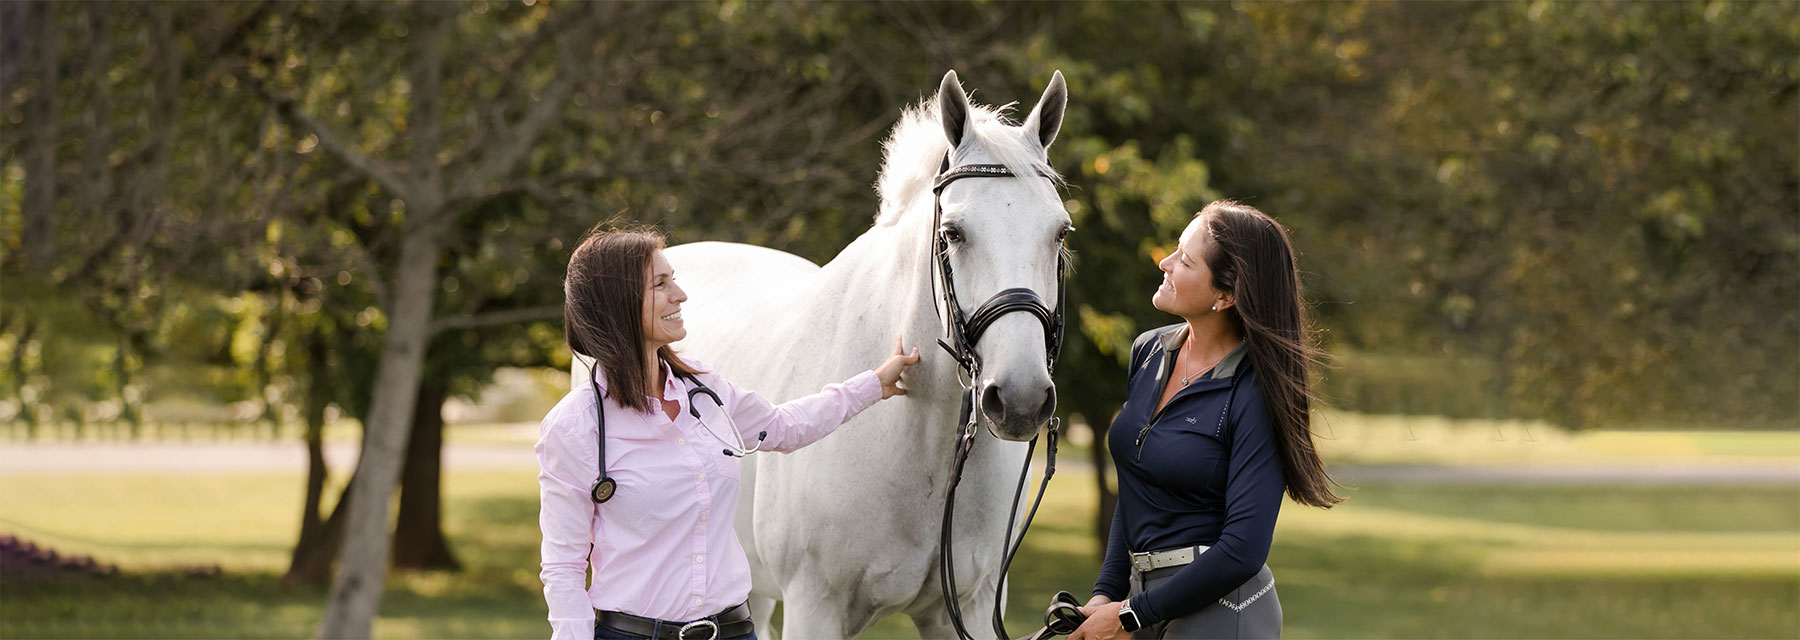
(567, 464)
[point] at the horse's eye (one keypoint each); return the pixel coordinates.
(951, 234)
(1063, 235)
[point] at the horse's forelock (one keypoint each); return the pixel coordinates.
(915, 150)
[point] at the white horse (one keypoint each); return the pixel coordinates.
(845, 531)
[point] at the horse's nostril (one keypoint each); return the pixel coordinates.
(1049, 409)
(991, 404)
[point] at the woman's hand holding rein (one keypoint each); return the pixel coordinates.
(896, 364)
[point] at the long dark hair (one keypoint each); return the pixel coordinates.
(603, 311)
(1252, 259)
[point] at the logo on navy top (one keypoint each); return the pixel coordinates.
(1191, 421)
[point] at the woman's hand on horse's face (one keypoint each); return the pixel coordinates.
(890, 371)
(1102, 622)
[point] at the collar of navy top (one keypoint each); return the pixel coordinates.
(1225, 369)
(1222, 376)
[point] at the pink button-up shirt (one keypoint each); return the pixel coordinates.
(663, 547)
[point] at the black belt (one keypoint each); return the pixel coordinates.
(731, 623)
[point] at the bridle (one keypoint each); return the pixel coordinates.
(962, 333)
(961, 336)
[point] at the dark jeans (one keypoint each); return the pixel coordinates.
(608, 633)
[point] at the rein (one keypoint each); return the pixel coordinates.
(961, 335)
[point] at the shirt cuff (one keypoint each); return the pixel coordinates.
(572, 628)
(1146, 610)
(865, 388)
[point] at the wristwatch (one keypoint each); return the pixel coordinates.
(1128, 619)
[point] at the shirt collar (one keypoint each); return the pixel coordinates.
(1226, 368)
(671, 388)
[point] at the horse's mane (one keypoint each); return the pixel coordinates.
(915, 150)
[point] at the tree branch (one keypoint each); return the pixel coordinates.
(333, 143)
(504, 160)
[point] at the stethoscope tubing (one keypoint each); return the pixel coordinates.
(604, 486)
(734, 450)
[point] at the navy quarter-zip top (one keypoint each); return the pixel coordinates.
(1203, 470)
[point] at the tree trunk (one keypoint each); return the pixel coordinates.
(311, 563)
(1100, 421)
(265, 356)
(419, 535)
(27, 406)
(122, 373)
(356, 592)
(40, 148)
(312, 528)
(164, 102)
(96, 169)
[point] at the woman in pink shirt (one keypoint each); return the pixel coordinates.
(655, 524)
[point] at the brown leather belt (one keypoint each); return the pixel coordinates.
(731, 623)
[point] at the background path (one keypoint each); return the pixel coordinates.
(40, 458)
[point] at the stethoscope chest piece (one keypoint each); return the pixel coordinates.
(603, 490)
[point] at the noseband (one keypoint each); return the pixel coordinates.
(961, 335)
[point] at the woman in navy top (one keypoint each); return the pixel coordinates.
(1215, 428)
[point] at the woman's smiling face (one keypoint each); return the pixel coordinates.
(662, 305)
(1187, 284)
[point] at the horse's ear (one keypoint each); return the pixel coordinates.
(953, 108)
(1047, 116)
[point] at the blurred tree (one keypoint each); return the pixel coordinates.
(1596, 200)
(452, 164)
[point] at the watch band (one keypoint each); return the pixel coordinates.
(1128, 619)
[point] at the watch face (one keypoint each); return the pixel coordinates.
(1128, 620)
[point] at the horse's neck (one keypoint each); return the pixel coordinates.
(886, 272)
(881, 286)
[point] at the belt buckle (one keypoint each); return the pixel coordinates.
(683, 633)
(1141, 562)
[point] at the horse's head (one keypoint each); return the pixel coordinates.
(1002, 234)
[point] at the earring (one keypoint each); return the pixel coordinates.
(1215, 306)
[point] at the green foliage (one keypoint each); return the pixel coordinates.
(1590, 205)
(1595, 198)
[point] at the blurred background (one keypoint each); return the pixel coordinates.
(1552, 250)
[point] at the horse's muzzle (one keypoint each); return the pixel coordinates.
(1016, 415)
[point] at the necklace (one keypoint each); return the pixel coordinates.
(1190, 377)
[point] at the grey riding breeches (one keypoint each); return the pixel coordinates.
(1250, 611)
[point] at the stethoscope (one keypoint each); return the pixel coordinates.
(734, 450)
(604, 487)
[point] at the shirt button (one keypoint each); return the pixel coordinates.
(680, 441)
(699, 559)
(701, 477)
(696, 602)
(703, 517)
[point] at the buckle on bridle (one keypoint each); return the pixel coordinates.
(683, 633)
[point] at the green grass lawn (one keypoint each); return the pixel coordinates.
(1397, 561)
